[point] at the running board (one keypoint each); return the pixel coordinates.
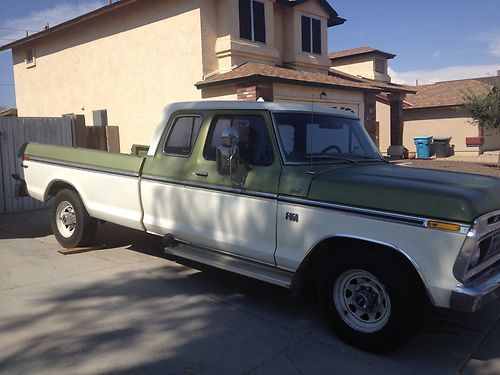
(234, 264)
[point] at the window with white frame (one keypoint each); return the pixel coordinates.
(311, 35)
(252, 20)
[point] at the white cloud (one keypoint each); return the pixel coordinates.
(494, 47)
(12, 29)
(491, 38)
(445, 74)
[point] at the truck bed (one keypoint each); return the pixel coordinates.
(107, 182)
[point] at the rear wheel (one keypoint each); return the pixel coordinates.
(369, 301)
(71, 223)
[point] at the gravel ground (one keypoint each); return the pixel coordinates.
(486, 165)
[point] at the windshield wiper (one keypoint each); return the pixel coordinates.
(370, 158)
(335, 157)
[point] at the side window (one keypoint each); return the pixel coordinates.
(182, 135)
(252, 20)
(254, 143)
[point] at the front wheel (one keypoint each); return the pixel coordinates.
(369, 301)
(71, 223)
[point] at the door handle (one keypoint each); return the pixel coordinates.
(201, 173)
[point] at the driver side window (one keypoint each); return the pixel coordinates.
(254, 144)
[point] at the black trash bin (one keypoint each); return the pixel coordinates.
(442, 147)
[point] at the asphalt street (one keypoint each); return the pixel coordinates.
(125, 308)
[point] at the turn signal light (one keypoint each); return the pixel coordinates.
(445, 226)
(26, 157)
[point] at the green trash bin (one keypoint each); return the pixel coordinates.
(442, 147)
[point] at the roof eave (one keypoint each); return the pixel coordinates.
(333, 20)
(435, 106)
(66, 24)
(264, 78)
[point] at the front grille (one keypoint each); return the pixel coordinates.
(490, 246)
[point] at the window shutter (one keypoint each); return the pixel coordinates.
(259, 22)
(306, 34)
(380, 66)
(245, 19)
(316, 33)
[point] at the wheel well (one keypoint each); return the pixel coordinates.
(56, 186)
(307, 272)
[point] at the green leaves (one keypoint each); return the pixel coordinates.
(484, 107)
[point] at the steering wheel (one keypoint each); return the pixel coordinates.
(331, 147)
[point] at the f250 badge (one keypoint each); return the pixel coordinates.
(292, 217)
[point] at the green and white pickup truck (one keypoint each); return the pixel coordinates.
(291, 195)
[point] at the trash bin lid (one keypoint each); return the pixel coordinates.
(422, 137)
(442, 139)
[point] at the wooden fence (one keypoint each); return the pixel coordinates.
(65, 131)
(14, 132)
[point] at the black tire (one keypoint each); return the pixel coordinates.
(71, 223)
(369, 300)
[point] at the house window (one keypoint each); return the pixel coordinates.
(30, 57)
(380, 66)
(252, 21)
(182, 136)
(311, 35)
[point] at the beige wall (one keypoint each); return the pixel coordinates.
(131, 63)
(302, 94)
(136, 59)
(384, 119)
(283, 37)
(439, 122)
(356, 65)
(292, 42)
(226, 92)
(491, 140)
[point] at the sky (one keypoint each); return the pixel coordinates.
(434, 40)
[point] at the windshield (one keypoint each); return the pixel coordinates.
(307, 137)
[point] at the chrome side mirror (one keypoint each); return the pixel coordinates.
(228, 154)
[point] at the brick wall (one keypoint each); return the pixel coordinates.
(254, 91)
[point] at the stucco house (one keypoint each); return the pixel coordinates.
(438, 110)
(427, 110)
(132, 57)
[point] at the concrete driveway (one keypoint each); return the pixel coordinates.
(126, 308)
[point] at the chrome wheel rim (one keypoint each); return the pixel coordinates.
(65, 219)
(361, 301)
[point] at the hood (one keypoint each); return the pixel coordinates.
(429, 193)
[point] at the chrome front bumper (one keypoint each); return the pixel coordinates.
(471, 296)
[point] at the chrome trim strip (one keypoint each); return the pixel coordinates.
(85, 167)
(387, 216)
(223, 189)
(383, 215)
